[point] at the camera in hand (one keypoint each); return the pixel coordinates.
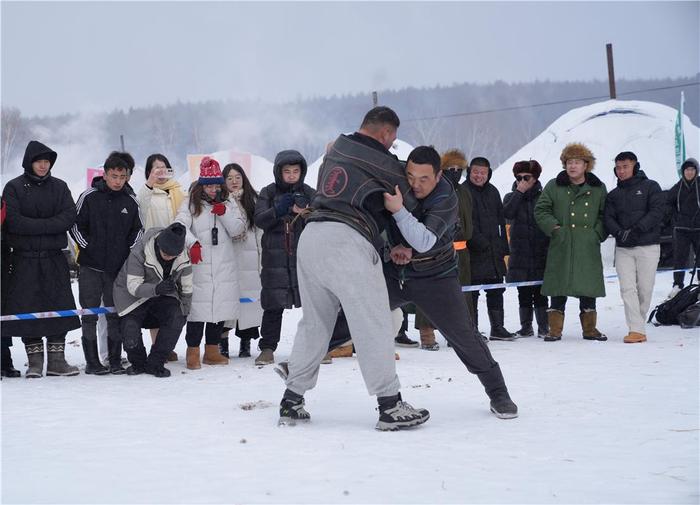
(301, 200)
(214, 236)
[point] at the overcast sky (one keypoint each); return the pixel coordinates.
(86, 56)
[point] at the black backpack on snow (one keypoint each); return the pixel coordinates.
(690, 317)
(669, 311)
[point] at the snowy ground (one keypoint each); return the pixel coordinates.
(599, 423)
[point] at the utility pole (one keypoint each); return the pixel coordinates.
(611, 71)
(375, 99)
(121, 140)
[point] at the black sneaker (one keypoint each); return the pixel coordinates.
(400, 416)
(403, 341)
(157, 371)
(293, 412)
(135, 370)
(503, 407)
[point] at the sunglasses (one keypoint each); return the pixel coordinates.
(525, 178)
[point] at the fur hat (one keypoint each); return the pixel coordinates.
(528, 167)
(209, 172)
(578, 151)
(171, 240)
(453, 158)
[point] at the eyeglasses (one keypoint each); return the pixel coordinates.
(525, 178)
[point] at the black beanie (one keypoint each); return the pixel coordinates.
(171, 240)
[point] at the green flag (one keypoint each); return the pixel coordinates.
(680, 138)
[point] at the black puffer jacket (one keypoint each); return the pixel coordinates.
(636, 204)
(684, 201)
(528, 244)
(488, 245)
(40, 210)
(108, 225)
(280, 288)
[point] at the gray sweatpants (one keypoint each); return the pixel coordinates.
(336, 265)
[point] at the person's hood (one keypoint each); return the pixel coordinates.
(289, 157)
(36, 150)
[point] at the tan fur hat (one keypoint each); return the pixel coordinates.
(577, 151)
(453, 158)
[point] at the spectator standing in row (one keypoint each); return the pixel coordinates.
(211, 221)
(107, 226)
(684, 203)
(40, 211)
(248, 250)
(633, 214)
(528, 246)
(281, 212)
(159, 199)
(570, 212)
(488, 246)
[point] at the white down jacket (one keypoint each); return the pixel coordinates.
(216, 289)
(248, 250)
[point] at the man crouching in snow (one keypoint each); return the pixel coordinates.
(155, 284)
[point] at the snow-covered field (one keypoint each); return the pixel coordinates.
(600, 422)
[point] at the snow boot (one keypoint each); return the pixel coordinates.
(498, 332)
(635, 338)
(92, 361)
(244, 348)
(7, 368)
(266, 357)
(525, 322)
(396, 414)
(114, 350)
(503, 407)
(555, 319)
(157, 370)
(292, 410)
(542, 321)
(172, 356)
(212, 356)
(427, 339)
(56, 364)
(223, 347)
(192, 358)
(588, 322)
(35, 355)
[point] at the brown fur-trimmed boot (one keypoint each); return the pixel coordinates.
(427, 339)
(588, 324)
(192, 358)
(212, 356)
(556, 325)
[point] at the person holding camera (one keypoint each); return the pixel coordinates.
(280, 212)
(211, 221)
(159, 199)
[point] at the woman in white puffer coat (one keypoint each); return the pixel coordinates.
(211, 221)
(248, 250)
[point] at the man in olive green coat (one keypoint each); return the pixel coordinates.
(570, 212)
(453, 163)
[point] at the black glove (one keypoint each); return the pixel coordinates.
(166, 287)
(284, 204)
(623, 235)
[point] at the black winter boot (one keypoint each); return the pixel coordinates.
(114, 348)
(498, 332)
(7, 369)
(495, 385)
(56, 361)
(244, 349)
(525, 322)
(542, 321)
(92, 360)
(223, 347)
(35, 355)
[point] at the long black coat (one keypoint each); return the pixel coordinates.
(280, 287)
(488, 246)
(39, 213)
(528, 244)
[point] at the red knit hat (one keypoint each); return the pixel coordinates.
(209, 172)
